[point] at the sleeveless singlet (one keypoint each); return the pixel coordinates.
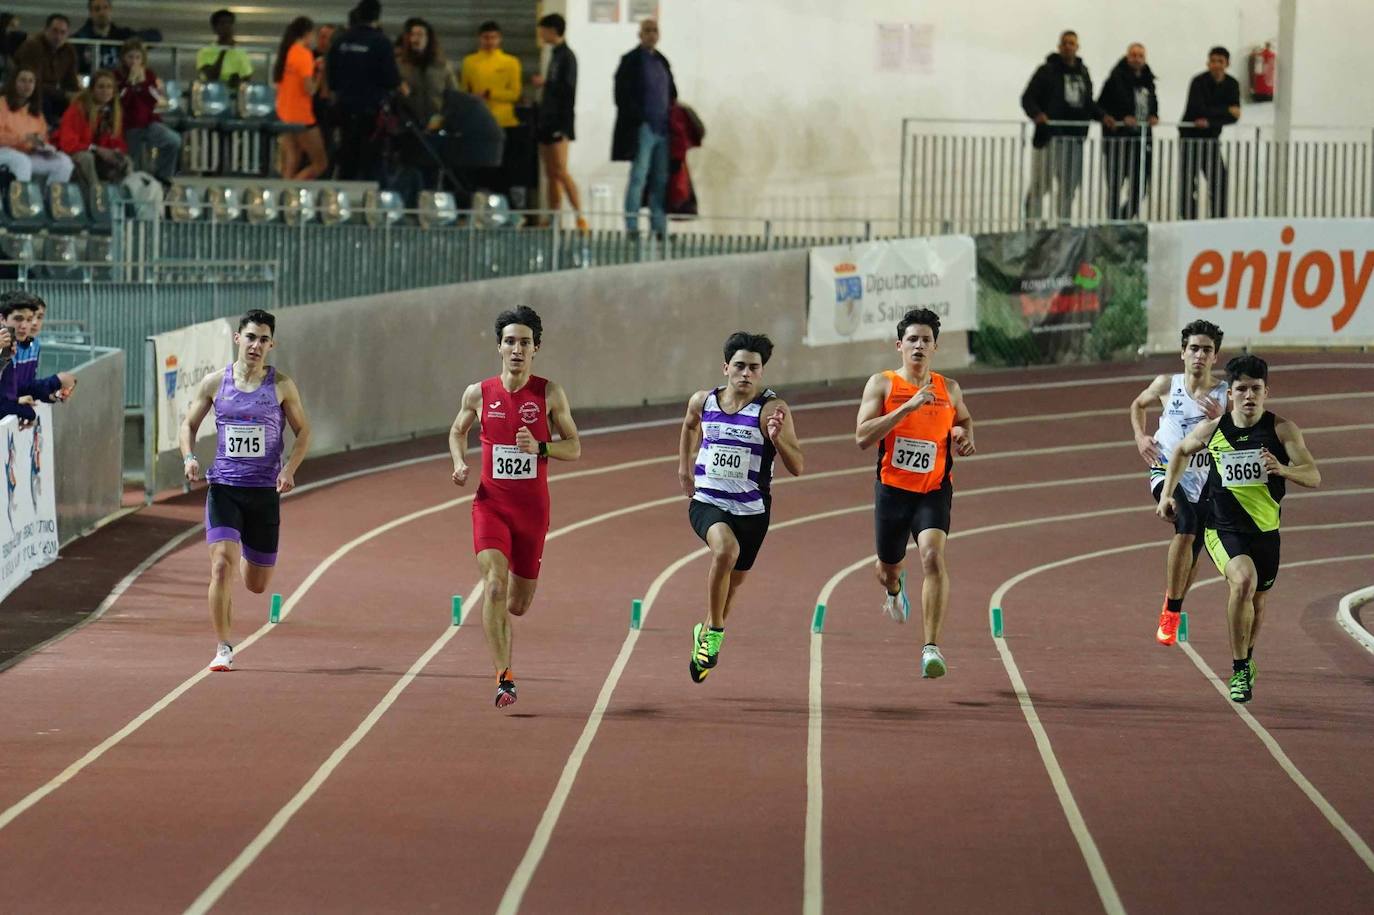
(915, 455)
(1181, 414)
(1245, 498)
(508, 473)
(249, 427)
(734, 466)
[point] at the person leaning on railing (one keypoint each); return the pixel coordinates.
(1059, 90)
(140, 91)
(24, 147)
(1129, 108)
(100, 26)
(92, 133)
(1213, 102)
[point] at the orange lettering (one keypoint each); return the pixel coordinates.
(1353, 286)
(1326, 278)
(1271, 319)
(1204, 273)
(1256, 263)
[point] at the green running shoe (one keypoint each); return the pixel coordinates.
(1240, 686)
(1250, 669)
(705, 649)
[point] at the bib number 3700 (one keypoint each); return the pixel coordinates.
(913, 454)
(1241, 468)
(242, 442)
(510, 463)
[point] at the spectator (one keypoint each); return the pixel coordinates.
(11, 37)
(24, 146)
(140, 90)
(554, 124)
(1213, 102)
(425, 71)
(644, 93)
(1060, 90)
(92, 133)
(323, 102)
(494, 76)
(295, 75)
(223, 62)
(53, 61)
(362, 75)
(1129, 108)
(100, 25)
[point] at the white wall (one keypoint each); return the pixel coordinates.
(800, 121)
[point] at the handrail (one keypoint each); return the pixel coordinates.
(1080, 123)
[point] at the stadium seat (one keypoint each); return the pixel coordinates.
(172, 108)
(210, 106)
(24, 209)
(105, 199)
(226, 203)
(247, 130)
(185, 203)
(298, 205)
(66, 207)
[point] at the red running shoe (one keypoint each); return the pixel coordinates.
(1167, 633)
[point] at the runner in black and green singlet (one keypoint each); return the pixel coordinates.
(1254, 454)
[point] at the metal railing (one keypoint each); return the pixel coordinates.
(177, 59)
(988, 176)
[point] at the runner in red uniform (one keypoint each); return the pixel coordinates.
(510, 516)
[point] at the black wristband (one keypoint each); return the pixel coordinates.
(543, 449)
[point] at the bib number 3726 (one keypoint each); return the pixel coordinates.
(913, 454)
(510, 463)
(1241, 468)
(242, 442)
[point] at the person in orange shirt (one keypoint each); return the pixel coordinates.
(919, 420)
(24, 146)
(296, 75)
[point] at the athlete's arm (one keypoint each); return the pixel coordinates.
(203, 403)
(294, 411)
(1192, 443)
(1144, 442)
(569, 446)
(962, 431)
(1302, 467)
(458, 432)
(689, 442)
(778, 428)
(873, 425)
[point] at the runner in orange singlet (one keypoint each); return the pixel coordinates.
(919, 421)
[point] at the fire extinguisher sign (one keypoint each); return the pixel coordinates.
(1263, 73)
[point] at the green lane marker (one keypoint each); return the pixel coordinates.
(995, 621)
(457, 609)
(818, 618)
(274, 614)
(636, 613)
(1183, 626)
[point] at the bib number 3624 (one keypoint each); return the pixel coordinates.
(510, 463)
(1241, 468)
(913, 454)
(242, 442)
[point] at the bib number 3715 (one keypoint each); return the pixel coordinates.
(1241, 468)
(242, 442)
(913, 454)
(510, 463)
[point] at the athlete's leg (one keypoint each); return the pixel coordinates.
(1240, 607)
(736, 579)
(224, 555)
(256, 578)
(1179, 572)
(935, 585)
(1258, 601)
(553, 184)
(889, 575)
(720, 573)
(495, 622)
(560, 151)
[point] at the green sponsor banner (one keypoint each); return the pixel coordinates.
(1061, 295)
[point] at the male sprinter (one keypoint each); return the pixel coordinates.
(1253, 453)
(510, 515)
(1188, 398)
(733, 431)
(919, 420)
(243, 505)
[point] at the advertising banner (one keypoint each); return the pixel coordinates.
(1265, 282)
(1061, 295)
(28, 521)
(182, 358)
(861, 291)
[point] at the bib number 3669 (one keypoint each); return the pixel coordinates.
(913, 454)
(510, 463)
(1241, 468)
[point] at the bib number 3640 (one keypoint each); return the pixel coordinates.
(913, 454)
(727, 462)
(1241, 468)
(510, 463)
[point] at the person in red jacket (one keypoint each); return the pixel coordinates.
(92, 133)
(140, 90)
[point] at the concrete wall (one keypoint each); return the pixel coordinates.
(88, 443)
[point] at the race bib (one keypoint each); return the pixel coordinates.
(727, 462)
(1200, 460)
(913, 454)
(510, 463)
(243, 442)
(1241, 468)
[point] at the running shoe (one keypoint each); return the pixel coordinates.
(1240, 686)
(705, 651)
(932, 662)
(1250, 669)
(1167, 633)
(896, 606)
(224, 658)
(505, 689)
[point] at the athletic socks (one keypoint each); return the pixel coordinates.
(716, 628)
(1251, 653)
(1240, 666)
(1173, 604)
(894, 593)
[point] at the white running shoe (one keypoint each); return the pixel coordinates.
(932, 662)
(224, 657)
(896, 606)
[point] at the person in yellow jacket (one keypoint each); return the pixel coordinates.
(493, 75)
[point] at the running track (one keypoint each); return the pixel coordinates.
(353, 762)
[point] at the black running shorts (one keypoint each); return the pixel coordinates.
(749, 530)
(1189, 517)
(1262, 548)
(247, 515)
(900, 514)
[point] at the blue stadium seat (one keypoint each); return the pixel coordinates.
(105, 199)
(66, 207)
(24, 209)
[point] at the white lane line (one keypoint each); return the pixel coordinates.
(1308, 789)
(1346, 617)
(813, 889)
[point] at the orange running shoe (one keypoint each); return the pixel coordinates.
(1167, 633)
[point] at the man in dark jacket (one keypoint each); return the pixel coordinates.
(554, 123)
(644, 93)
(1213, 102)
(1129, 108)
(1060, 90)
(100, 25)
(362, 75)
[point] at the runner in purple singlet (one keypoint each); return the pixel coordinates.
(243, 504)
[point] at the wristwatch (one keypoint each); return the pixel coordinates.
(543, 449)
